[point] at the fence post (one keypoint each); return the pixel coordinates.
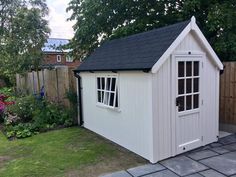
(57, 84)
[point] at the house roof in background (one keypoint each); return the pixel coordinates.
(136, 52)
(54, 44)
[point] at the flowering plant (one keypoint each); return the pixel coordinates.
(4, 103)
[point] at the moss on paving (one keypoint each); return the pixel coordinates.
(62, 152)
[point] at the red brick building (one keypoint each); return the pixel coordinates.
(54, 55)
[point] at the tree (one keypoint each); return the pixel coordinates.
(217, 20)
(23, 31)
(101, 20)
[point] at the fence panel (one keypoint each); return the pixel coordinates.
(56, 83)
(228, 94)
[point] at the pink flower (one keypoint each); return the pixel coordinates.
(3, 97)
(3, 103)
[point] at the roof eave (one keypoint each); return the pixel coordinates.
(113, 70)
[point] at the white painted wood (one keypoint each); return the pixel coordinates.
(193, 20)
(164, 109)
(217, 105)
(145, 122)
(207, 47)
(191, 27)
(77, 91)
(172, 47)
(188, 122)
(162, 134)
(173, 108)
(209, 87)
(188, 135)
(130, 126)
(210, 102)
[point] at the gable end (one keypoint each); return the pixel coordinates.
(192, 26)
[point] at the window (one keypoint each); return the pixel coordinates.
(188, 85)
(69, 58)
(107, 91)
(58, 58)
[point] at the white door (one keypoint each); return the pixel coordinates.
(188, 93)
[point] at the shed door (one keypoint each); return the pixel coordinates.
(188, 118)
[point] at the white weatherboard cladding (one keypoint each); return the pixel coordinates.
(210, 87)
(162, 112)
(131, 125)
(164, 132)
(189, 44)
(210, 102)
(145, 122)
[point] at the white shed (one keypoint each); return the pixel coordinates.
(155, 93)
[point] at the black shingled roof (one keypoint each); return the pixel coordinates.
(136, 52)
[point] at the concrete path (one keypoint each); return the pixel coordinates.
(214, 160)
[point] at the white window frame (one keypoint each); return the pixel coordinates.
(107, 93)
(59, 58)
(69, 59)
(195, 57)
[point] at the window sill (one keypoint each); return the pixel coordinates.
(107, 107)
(187, 112)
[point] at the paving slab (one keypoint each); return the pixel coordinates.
(202, 154)
(220, 150)
(118, 174)
(228, 139)
(230, 147)
(211, 173)
(183, 165)
(213, 145)
(163, 173)
(145, 169)
(225, 163)
(224, 134)
(194, 175)
(200, 149)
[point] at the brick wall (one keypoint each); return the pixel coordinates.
(52, 59)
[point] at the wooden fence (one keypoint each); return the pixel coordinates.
(56, 83)
(228, 94)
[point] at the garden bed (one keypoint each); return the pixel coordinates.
(26, 115)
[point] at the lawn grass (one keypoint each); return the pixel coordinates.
(66, 152)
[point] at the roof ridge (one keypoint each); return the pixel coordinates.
(137, 51)
(149, 31)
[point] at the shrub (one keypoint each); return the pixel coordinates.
(6, 91)
(30, 115)
(21, 130)
(3, 102)
(72, 97)
(23, 108)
